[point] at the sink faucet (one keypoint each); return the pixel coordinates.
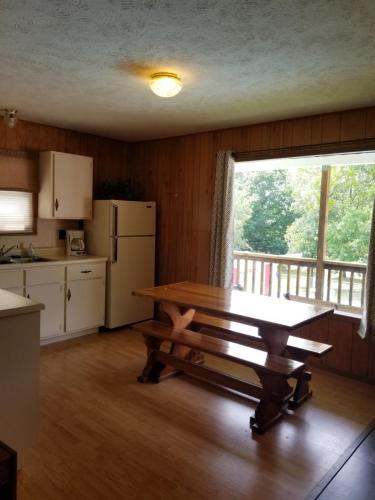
(4, 251)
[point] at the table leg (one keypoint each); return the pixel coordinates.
(275, 339)
(276, 342)
(179, 320)
(155, 372)
(176, 317)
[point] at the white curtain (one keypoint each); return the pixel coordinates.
(367, 326)
(221, 252)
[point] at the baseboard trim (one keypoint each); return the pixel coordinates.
(68, 336)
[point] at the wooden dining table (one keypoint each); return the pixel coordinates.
(276, 319)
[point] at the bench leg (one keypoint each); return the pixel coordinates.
(151, 371)
(302, 391)
(276, 392)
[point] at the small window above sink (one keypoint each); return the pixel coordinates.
(16, 212)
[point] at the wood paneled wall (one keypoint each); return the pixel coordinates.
(18, 171)
(179, 174)
(350, 354)
(110, 156)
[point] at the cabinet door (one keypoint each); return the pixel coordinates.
(52, 317)
(72, 186)
(85, 304)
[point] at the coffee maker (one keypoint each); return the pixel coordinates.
(75, 243)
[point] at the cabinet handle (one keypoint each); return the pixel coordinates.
(69, 294)
(85, 272)
(56, 204)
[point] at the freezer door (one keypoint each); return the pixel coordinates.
(132, 218)
(134, 268)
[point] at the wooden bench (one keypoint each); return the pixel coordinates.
(273, 371)
(299, 349)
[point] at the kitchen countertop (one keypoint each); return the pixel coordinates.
(12, 304)
(54, 260)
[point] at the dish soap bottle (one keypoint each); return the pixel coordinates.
(31, 251)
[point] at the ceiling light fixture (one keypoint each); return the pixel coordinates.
(10, 117)
(165, 84)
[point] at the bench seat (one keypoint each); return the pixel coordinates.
(231, 351)
(241, 333)
(272, 370)
(298, 348)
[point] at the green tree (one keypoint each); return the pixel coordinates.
(277, 211)
(242, 208)
(271, 212)
(352, 191)
(302, 234)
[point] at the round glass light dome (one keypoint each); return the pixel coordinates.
(165, 84)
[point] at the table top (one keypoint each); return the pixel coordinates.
(258, 310)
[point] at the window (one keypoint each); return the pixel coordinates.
(16, 212)
(302, 227)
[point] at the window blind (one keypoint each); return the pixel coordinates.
(16, 212)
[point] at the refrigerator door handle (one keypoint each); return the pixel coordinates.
(115, 220)
(114, 250)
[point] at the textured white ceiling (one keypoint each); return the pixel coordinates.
(84, 64)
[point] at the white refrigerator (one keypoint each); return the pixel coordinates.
(124, 232)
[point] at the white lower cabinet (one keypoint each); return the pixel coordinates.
(46, 285)
(73, 295)
(52, 317)
(85, 296)
(85, 301)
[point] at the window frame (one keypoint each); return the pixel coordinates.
(360, 146)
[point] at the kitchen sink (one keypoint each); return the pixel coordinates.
(20, 259)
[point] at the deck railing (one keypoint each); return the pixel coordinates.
(342, 283)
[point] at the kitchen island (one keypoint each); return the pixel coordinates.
(19, 371)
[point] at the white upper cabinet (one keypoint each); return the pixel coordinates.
(65, 186)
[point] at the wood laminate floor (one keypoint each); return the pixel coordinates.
(103, 436)
(353, 477)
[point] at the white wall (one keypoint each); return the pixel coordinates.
(46, 237)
